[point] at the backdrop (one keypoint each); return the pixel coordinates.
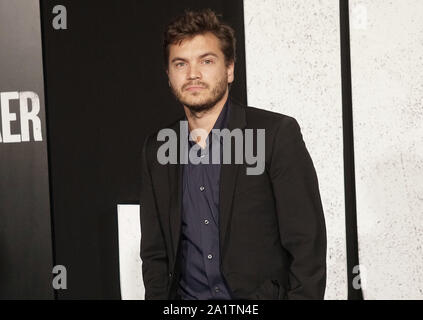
(25, 238)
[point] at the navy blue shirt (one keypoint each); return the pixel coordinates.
(201, 277)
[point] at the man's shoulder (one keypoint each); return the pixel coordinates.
(262, 118)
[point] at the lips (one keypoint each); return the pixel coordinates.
(195, 88)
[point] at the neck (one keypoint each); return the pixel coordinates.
(205, 120)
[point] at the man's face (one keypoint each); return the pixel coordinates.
(197, 72)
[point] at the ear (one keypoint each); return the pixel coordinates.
(230, 69)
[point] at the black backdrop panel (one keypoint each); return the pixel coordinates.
(25, 235)
(106, 89)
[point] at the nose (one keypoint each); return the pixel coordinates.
(193, 73)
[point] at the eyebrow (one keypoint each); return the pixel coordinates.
(202, 56)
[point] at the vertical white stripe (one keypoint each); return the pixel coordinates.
(130, 264)
(387, 74)
(293, 67)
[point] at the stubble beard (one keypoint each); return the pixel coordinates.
(216, 94)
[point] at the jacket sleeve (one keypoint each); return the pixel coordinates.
(300, 213)
(153, 249)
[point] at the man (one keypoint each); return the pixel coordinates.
(213, 231)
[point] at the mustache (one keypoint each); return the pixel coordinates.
(200, 84)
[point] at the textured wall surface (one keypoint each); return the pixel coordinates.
(387, 72)
(293, 67)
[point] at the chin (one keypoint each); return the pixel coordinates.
(196, 100)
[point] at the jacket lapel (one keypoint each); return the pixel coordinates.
(228, 174)
(175, 189)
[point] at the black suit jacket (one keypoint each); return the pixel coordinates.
(271, 226)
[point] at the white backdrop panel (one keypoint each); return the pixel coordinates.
(387, 74)
(130, 264)
(293, 67)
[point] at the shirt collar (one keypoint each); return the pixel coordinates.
(222, 120)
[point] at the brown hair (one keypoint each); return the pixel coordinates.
(193, 23)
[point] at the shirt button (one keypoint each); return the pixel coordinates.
(202, 188)
(206, 221)
(209, 257)
(216, 289)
